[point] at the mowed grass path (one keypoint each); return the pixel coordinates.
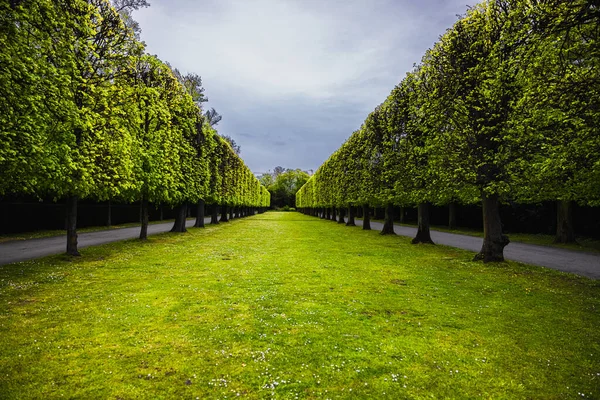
(288, 306)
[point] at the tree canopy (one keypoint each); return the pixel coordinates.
(504, 107)
(88, 114)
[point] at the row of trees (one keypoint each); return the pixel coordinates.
(86, 113)
(504, 107)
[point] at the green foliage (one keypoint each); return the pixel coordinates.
(88, 114)
(283, 185)
(505, 104)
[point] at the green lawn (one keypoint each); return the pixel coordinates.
(287, 306)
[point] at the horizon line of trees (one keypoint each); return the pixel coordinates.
(283, 183)
(86, 113)
(504, 108)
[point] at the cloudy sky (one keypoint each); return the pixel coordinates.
(294, 78)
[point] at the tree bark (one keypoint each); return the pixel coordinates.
(180, 216)
(388, 222)
(565, 233)
(350, 216)
(366, 217)
(109, 216)
(341, 212)
(199, 214)
(452, 215)
(224, 218)
(144, 218)
(493, 239)
(423, 234)
(214, 219)
(72, 226)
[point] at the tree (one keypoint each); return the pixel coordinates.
(560, 102)
(284, 188)
(212, 117)
(236, 147)
(124, 8)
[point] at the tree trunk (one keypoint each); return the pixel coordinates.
(72, 226)
(423, 234)
(350, 216)
(231, 212)
(565, 233)
(214, 219)
(199, 214)
(179, 225)
(401, 215)
(237, 212)
(161, 212)
(366, 217)
(144, 219)
(388, 222)
(341, 215)
(452, 215)
(493, 239)
(224, 218)
(109, 216)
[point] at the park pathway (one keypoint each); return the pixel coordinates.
(580, 263)
(576, 262)
(23, 250)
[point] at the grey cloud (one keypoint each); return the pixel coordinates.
(294, 78)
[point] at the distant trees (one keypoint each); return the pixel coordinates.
(212, 117)
(85, 114)
(505, 107)
(283, 185)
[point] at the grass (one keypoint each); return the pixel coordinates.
(287, 306)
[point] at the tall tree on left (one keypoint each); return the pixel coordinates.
(67, 59)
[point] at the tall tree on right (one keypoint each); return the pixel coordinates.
(473, 69)
(560, 102)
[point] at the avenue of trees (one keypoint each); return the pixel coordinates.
(504, 108)
(85, 113)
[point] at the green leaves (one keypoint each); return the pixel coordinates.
(506, 103)
(86, 113)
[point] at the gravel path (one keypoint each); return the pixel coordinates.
(580, 263)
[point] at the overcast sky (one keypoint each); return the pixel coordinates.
(294, 78)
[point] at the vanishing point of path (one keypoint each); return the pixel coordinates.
(580, 263)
